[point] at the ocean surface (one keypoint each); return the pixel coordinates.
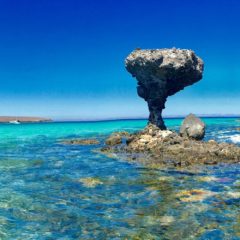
(49, 190)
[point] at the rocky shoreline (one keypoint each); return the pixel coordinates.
(156, 148)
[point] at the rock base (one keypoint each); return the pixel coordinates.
(153, 146)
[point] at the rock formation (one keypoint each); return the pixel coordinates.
(193, 127)
(116, 138)
(156, 148)
(113, 140)
(161, 73)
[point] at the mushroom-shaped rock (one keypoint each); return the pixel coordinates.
(193, 127)
(161, 73)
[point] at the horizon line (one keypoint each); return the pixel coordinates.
(101, 119)
(144, 118)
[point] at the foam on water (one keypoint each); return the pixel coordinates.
(235, 138)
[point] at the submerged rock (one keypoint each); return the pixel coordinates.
(207, 179)
(161, 73)
(81, 142)
(193, 127)
(194, 195)
(90, 182)
(166, 220)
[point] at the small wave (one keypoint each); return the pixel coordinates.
(235, 138)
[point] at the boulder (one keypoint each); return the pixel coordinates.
(193, 127)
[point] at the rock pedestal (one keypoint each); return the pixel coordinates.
(161, 73)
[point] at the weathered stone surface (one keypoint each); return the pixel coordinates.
(81, 142)
(161, 73)
(193, 127)
(114, 139)
(122, 134)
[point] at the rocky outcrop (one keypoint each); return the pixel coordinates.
(155, 147)
(161, 73)
(117, 138)
(193, 127)
(114, 139)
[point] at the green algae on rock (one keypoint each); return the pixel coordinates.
(90, 182)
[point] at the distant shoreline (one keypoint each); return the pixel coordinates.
(142, 118)
(7, 119)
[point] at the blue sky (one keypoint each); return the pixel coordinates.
(65, 59)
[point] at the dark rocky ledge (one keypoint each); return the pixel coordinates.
(155, 147)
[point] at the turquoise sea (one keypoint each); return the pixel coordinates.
(49, 190)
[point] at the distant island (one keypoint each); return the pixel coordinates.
(6, 119)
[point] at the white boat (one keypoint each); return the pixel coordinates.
(14, 122)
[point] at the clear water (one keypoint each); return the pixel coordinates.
(53, 191)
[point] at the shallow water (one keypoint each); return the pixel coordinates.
(53, 191)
